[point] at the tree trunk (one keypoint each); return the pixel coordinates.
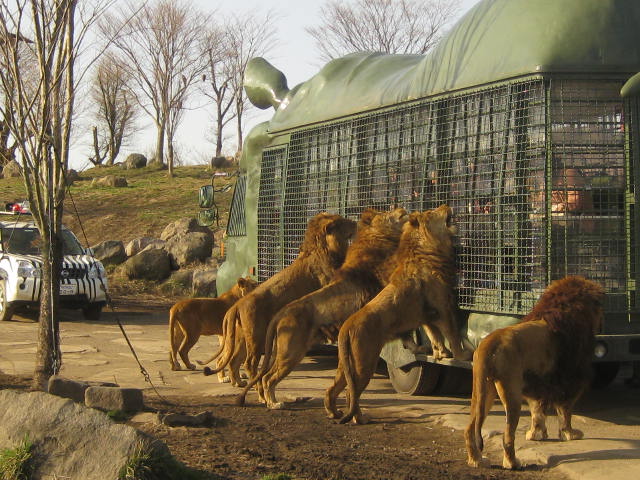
(160, 143)
(170, 156)
(48, 354)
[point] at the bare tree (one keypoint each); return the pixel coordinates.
(389, 26)
(250, 35)
(39, 46)
(221, 65)
(159, 43)
(116, 108)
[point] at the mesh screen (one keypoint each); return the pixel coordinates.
(485, 154)
(237, 226)
(588, 185)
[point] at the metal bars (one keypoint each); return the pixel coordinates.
(237, 226)
(512, 160)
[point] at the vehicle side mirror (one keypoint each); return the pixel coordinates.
(205, 197)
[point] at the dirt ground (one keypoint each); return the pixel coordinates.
(246, 443)
(243, 443)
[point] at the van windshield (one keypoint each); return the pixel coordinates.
(27, 241)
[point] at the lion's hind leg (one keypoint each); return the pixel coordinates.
(331, 394)
(187, 344)
(538, 429)
(511, 396)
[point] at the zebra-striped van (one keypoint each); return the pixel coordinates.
(83, 280)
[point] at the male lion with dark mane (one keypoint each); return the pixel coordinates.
(193, 317)
(366, 269)
(420, 292)
(545, 359)
(322, 252)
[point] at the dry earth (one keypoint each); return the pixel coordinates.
(243, 443)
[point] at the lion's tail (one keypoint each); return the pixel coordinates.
(228, 342)
(482, 397)
(269, 350)
(344, 356)
(173, 341)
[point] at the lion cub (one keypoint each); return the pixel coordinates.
(190, 318)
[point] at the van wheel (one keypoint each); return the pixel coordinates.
(6, 309)
(92, 311)
(455, 381)
(415, 379)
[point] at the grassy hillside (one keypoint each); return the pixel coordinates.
(143, 209)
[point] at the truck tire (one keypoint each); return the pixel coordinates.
(415, 379)
(604, 373)
(455, 381)
(92, 311)
(6, 309)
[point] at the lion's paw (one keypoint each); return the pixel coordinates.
(244, 375)
(537, 435)
(509, 465)
(224, 379)
(572, 434)
(361, 419)
(276, 406)
(483, 462)
(240, 384)
(191, 366)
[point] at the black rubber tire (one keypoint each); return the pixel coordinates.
(604, 373)
(417, 379)
(92, 311)
(455, 381)
(6, 309)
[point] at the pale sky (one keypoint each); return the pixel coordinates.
(295, 56)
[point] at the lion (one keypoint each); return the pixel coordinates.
(190, 318)
(322, 252)
(420, 292)
(366, 269)
(545, 359)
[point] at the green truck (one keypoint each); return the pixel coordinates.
(525, 119)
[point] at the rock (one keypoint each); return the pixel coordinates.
(204, 283)
(182, 278)
(71, 440)
(181, 420)
(71, 176)
(182, 226)
(12, 169)
(219, 162)
(136, 245)
(150, 264)
(109, 181)
(134, 160)
(110, 252)
(114, 398)
(72, 389)
(188, 248)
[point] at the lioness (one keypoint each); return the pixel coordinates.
(420, 291)
(545, 359)
(190, 318)
(365, 271)
(321, 254)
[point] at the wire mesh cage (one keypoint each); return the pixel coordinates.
(515, 162)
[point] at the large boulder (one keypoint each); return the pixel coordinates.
(109, 181)
(12, 169)
(69, 439)
(150, 264)
(136, 245)
(110, 252)
(190, 247)
(182, 226)
(135, 160)
(204, 283)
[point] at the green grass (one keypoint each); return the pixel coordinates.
(17, 463)
(145, 464)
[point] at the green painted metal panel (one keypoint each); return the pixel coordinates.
(496, 40)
